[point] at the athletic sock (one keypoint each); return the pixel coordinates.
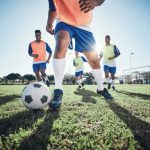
(113, 82)
(59, 69)
(97, 73)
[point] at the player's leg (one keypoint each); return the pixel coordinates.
(77, 79)
(62, 42)
(43, 74)
(36, 70)
(92, 57)
(81, 79)
(85, 43)
(107, 79)
(113, 71)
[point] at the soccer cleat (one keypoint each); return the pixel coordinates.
(56, 100)
(113, 88)
(109, 86)
(105, 94)
(48, 83)
(82, 84)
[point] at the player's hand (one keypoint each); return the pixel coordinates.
(110, 58)
(49, 29)
(87, 5)
(35, 55)
(47, 61)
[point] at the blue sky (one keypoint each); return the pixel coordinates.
(126, 21)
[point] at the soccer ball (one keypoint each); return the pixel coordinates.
(36, 95)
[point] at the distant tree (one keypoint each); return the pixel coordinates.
(13, 76)
(29, 77)
(69, 79)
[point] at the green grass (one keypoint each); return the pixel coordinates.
(85, 121)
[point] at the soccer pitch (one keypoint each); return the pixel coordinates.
(85, 121)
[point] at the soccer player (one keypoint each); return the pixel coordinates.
(78, 63)
(109, 52)
(73, 19)
(37, 49)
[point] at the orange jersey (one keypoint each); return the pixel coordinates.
(40, 49)
(68, 11)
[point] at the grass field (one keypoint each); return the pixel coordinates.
(85, 121)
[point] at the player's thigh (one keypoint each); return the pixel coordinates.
(62, 38)
(36, 68)
(42, 68)
(92, 57)
(112, 72)
(106, 70)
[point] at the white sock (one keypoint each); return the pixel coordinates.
(46, 78)
(107, 80)
(81, 81)
(59, 69)
(97, 73)
(78, 81)
(113, 82)
(110, 81)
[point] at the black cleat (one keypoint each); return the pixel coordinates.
(55, 102)
(113, 88)
(105, 94)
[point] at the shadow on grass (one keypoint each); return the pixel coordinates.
(8, 98)
(23, 120)
(143, 96)
(87, 96)
(39, 140)
(139, 128)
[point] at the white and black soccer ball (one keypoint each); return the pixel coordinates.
(36, 95)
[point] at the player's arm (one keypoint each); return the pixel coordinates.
(100, 55)
(87, 5)
(116, 53)
(30, 52)
(51, 17)
(48, 49)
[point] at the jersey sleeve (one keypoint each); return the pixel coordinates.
(48, 49)
(84, 60)
(116, 51)
(52, 5)
(30, 49)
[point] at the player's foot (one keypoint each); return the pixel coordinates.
(48, 83)
(56, 99)
(113, 88)
(109, 86)
(82, 84)
(105, 94)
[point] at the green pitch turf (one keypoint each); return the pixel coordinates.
(85, 121)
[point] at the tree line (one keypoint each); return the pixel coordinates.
(16, 78)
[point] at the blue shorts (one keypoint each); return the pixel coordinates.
(84, 40)
(77, 74)
(109, 69)
(38, 67)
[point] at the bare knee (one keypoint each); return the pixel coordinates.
(62, 43)
(95, 64)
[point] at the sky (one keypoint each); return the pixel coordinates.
(126, 21)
